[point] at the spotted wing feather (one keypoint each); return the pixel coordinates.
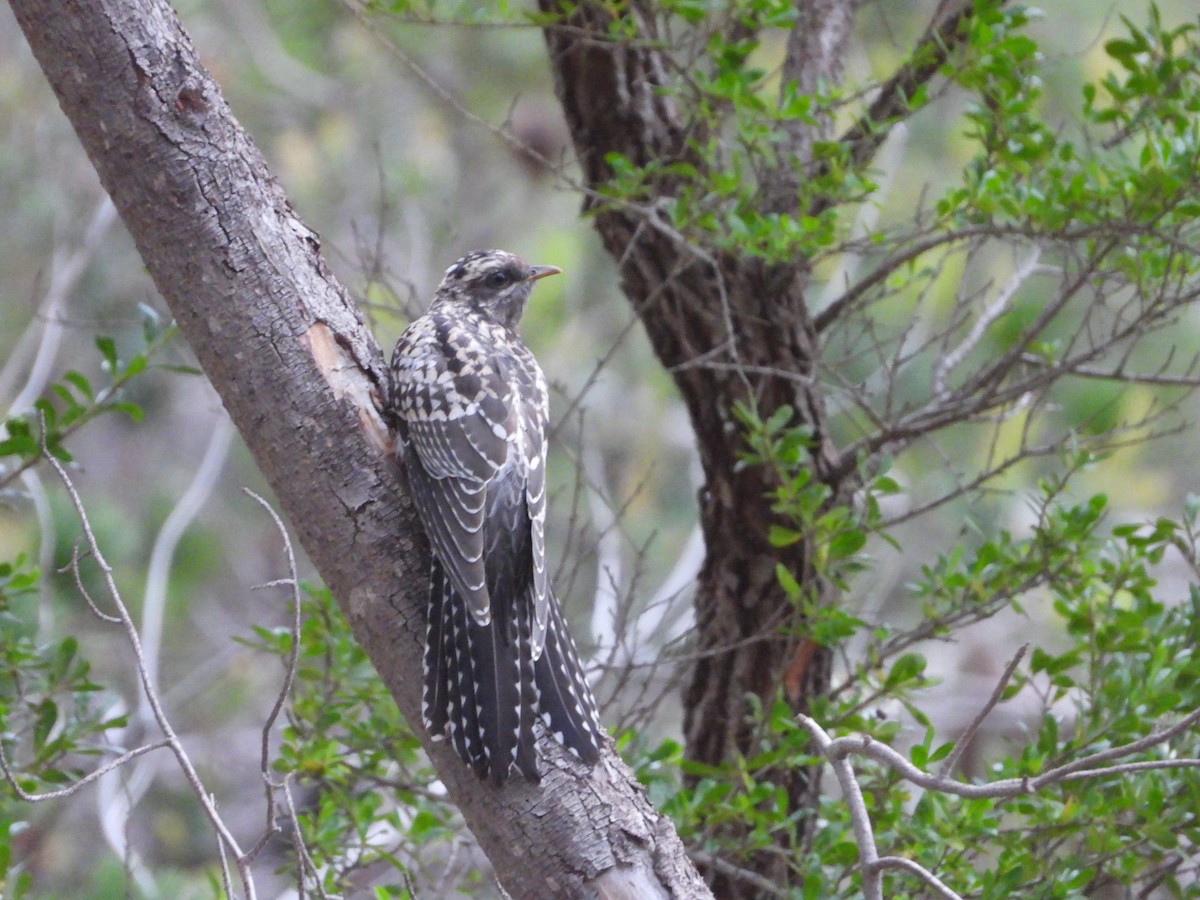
(535, 414)
(459, 419)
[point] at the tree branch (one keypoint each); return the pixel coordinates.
(814, 60)
(298, 372)
(893, 103)
(149, 688)
(837, 752)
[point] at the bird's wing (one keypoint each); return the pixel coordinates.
(535, 416)
(451, 509)
(460, 419)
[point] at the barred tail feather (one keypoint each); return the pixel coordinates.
(483, 689)
(526, 754)
(463, 709)
(567, 706)
(479, 684)
(497, 674)
(439, 647)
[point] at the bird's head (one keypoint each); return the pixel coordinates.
(493, 282)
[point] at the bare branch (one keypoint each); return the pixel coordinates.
(1119, 374)
(303, 860)
(285, 689)
(913, 868)
(163, 552)
(67, 267)
(893, 103)
(864, 745)
(73, 565)
(83, 782)
(148, 686)
(860, 818)
(986, 317)
(968, 734)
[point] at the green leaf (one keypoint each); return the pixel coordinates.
(130, 409)
(135, 366)
(788, 582)
(108, 350)
(909, 669)
(81, 384)
(847, 543)
(46, 719)
(783, 537)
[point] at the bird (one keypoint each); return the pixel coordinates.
(471, 406)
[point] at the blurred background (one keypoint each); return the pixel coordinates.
(389, 138)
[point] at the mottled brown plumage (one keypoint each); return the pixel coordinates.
(472, 405)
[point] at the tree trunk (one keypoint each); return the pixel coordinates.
(730, 329)
(295, 367)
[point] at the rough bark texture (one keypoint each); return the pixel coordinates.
(296, 369)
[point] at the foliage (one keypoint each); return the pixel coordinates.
(52, 718)
(347, 749)
(73, 401)
(1121, 661)
(1107, 199)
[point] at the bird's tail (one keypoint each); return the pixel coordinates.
(480, 687)
(565, 699)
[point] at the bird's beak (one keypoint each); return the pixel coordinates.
(536, 272)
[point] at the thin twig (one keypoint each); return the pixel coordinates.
(899, 862)
(968, 734)
(987, 316)
(1156, 380)
(754, 879)
(304, 860)
(82, 782)
(73, 566)
(148, 686)
(285, 689)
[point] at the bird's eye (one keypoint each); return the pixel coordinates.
(497, 279)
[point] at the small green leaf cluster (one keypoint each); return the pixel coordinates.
(51, 723)
(51, 718)
(1149, 91)
(834, 533)
(1127, 190)
(348, 750)
(71, 402)
(740, 146)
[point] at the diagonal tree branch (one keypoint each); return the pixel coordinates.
(297, 370)
(893, 102)
(814, 59)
